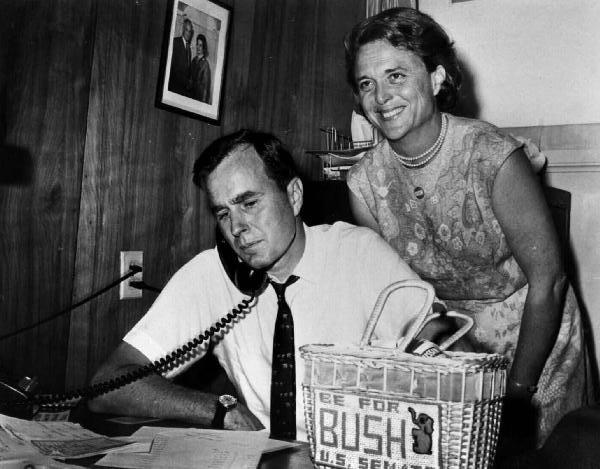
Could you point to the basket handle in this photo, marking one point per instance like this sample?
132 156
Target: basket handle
381 300
466 327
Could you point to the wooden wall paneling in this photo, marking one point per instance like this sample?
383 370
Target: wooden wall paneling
102 194
239 104
283 66
298 70
46 46
296 86
136 192
335 103
264 55
303 102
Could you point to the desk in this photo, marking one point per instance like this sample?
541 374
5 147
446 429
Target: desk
572 444
292 458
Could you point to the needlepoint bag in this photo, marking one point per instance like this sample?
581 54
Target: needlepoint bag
382 407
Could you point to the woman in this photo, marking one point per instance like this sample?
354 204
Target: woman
459 201
201 78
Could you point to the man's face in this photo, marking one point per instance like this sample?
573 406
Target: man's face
188 31
257 218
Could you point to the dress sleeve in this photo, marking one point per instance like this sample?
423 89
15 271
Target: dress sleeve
499 148
490 149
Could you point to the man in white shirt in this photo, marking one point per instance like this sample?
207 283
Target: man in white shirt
338 271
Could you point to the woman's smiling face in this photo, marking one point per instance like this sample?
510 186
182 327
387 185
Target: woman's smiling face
396 92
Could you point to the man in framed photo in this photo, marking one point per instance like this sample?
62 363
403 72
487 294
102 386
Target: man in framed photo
180 79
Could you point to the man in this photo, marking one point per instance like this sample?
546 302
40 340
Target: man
181 60
339 271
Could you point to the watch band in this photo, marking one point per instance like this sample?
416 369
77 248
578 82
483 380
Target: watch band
225 403
530 388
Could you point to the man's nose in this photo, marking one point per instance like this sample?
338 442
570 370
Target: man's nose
238 223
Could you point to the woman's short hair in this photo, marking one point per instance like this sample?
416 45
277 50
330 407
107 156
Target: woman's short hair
409 29
279 164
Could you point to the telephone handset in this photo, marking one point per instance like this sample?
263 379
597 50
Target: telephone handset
249 281
12 389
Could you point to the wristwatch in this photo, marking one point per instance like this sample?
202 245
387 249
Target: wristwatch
225 403
530 389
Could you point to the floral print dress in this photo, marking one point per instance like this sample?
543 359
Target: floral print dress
440 219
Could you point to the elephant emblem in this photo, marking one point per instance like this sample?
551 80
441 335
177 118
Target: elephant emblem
422 441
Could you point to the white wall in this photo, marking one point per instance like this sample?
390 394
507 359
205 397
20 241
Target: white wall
534 62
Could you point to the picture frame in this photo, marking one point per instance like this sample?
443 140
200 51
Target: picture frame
194 57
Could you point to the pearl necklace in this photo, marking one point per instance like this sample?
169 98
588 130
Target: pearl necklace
432 151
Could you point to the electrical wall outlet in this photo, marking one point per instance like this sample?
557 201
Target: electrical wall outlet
129 258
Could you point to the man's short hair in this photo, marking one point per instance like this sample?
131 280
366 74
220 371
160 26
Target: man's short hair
278 162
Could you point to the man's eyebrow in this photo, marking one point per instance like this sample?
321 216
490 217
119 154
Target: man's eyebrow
237 199
395 69
244 196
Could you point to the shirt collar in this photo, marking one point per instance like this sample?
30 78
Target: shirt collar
310 265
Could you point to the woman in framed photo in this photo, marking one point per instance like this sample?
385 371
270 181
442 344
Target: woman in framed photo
201 77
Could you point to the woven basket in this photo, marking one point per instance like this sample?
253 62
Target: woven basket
375 407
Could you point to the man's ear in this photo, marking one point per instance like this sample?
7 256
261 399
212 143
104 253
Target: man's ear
438 76
295 193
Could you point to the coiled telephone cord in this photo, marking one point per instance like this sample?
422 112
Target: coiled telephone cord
159 366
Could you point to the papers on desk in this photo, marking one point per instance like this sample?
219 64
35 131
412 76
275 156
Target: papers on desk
193 447
20 454
59 440
36 443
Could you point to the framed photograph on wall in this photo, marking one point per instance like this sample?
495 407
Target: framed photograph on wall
192 72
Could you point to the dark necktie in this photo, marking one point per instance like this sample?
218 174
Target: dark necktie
283 378
188 51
